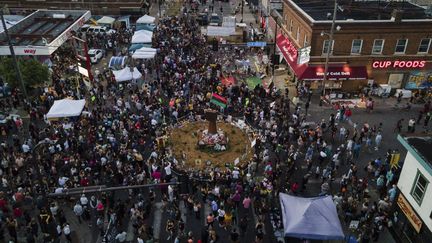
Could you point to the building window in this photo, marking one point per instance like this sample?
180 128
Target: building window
419 188
378 46
424 46
291 26
305 41
298 34
401 46
327 48
356 46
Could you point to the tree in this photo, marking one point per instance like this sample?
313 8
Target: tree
33 72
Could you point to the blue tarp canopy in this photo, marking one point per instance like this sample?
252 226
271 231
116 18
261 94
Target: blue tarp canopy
310 218
117 62
149 27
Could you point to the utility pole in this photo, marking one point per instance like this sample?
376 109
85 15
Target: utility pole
330 46
12 51
159 6
274 49
242 7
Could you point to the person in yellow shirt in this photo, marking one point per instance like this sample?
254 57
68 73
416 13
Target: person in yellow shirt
228 219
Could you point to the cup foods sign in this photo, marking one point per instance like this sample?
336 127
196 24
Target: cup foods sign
398 64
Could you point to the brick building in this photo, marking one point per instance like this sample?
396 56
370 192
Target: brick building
387 42
97 7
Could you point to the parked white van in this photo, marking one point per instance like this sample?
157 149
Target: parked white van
100 29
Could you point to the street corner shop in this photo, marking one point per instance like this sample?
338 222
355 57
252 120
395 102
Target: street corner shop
411 74
41 33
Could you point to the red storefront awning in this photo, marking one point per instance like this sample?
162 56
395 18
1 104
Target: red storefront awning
289 52
334 73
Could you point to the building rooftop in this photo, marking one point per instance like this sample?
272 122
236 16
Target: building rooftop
423 147
320 10
41 27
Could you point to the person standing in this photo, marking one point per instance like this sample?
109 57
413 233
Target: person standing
411 125
378 139
12 225
67 232
427 119
78 210
398 127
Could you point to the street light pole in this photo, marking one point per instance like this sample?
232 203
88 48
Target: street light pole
12 51
274 49
330 46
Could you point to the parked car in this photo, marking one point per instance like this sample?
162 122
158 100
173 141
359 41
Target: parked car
100 29
5 118
85 28
95 55
215 20
203 19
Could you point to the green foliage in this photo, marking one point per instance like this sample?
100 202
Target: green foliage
33 72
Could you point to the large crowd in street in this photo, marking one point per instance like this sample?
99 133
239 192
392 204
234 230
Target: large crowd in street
114 144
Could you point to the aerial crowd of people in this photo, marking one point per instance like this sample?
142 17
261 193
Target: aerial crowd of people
114 144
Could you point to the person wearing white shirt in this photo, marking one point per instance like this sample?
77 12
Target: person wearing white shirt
25 148
62 181
84 200
121 237
78 210
67 232
168 171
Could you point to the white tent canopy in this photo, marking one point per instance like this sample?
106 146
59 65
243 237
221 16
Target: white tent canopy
310 218
106 20
126 75
146 19
146 50
142 36
66 108
144 53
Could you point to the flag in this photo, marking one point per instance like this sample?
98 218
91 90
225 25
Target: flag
218 100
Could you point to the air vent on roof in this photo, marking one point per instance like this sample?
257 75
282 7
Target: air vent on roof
59 16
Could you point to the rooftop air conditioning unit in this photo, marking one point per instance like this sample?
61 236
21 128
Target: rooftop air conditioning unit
59 16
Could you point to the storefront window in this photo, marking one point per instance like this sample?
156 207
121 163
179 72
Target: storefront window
424 46
419 188
401 46
378 46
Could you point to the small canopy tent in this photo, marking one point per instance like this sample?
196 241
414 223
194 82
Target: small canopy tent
149 27
106 21
310 218
142 36
66 108
117 62
137 46
144 53
146 19
126 74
